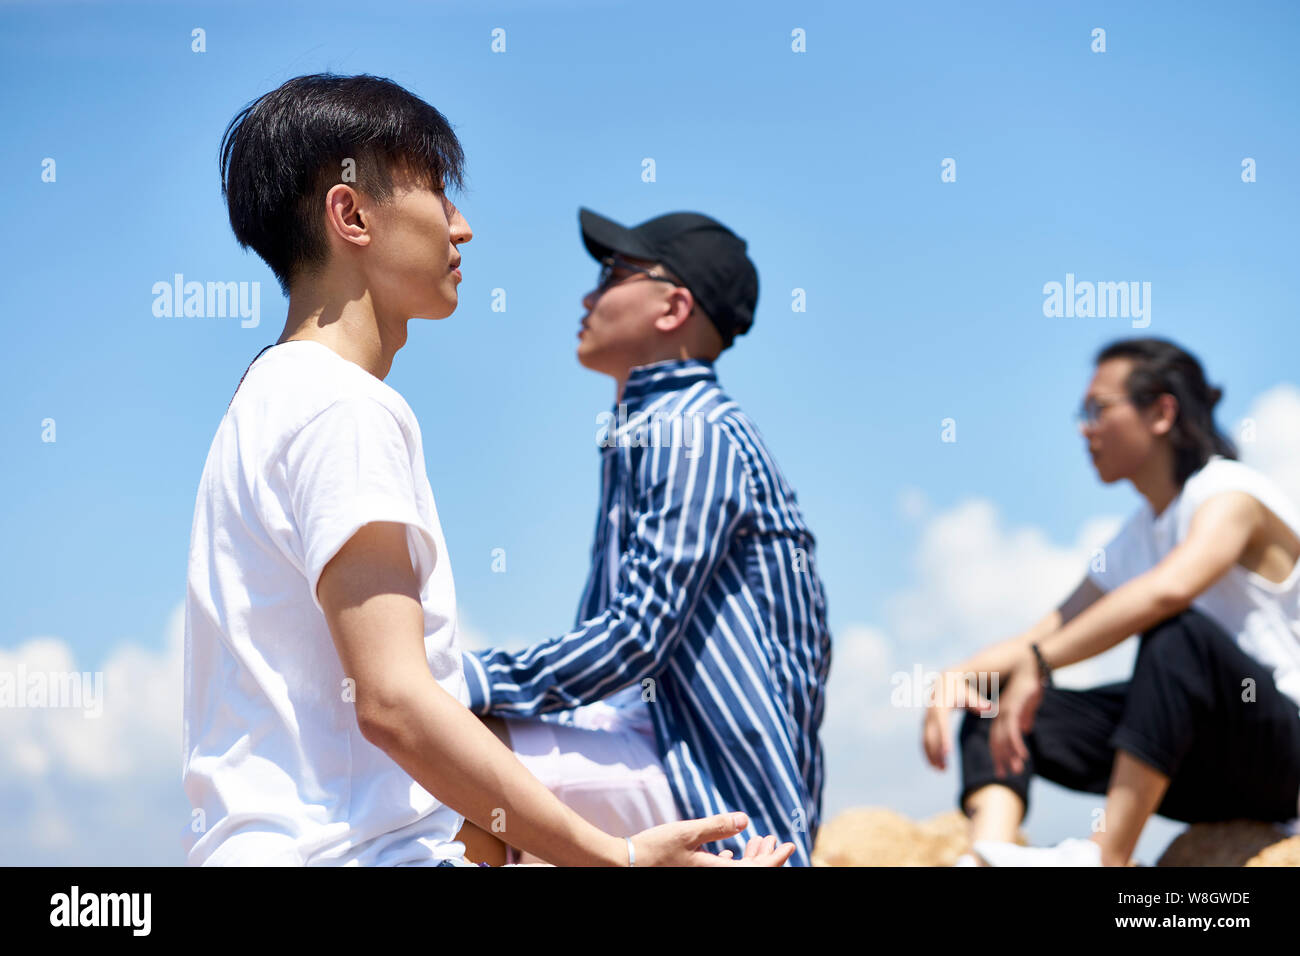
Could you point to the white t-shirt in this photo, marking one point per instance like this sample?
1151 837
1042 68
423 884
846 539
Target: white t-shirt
312 448
1262 615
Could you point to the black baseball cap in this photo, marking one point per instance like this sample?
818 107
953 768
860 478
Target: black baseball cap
707 256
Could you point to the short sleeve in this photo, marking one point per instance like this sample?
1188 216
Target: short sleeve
1222 475
349 466
1128 554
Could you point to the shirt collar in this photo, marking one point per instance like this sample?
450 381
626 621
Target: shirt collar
646 382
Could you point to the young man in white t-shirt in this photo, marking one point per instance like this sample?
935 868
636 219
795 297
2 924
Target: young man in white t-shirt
1208 572
325 719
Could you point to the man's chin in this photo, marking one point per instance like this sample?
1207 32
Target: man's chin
1105 477
438 310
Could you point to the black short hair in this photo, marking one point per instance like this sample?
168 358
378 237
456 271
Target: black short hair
283 152
1160 367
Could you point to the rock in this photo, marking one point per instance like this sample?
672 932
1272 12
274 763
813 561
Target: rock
1236 843
874 836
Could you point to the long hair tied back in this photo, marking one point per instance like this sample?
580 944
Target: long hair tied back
1160 367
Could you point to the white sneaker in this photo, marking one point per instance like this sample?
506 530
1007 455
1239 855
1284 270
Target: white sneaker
966 859
1069 852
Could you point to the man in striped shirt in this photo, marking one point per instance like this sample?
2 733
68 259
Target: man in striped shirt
693 680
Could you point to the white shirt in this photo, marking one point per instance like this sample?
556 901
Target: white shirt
1263 616
312 448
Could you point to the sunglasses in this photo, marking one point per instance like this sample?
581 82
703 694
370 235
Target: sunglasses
1089 412
609 265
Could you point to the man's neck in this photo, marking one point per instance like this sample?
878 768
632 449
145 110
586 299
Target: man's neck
346 324
1156 483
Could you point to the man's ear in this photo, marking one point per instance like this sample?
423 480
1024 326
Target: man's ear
1166 413
680 305
343 214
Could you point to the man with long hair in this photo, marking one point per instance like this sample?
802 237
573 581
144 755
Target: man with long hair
1207 572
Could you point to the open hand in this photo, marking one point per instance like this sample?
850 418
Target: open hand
936 727
1018 704
678 844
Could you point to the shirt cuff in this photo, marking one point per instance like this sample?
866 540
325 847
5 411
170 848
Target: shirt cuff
480 692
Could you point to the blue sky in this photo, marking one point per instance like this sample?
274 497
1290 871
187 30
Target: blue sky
924 298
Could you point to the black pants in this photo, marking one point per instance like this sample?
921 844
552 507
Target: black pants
1182 712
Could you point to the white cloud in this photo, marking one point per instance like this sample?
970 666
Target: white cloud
138 726
80 789
1268 437
977 581
858 707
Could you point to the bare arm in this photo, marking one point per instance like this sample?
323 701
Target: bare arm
370 596
1217 537
1004 655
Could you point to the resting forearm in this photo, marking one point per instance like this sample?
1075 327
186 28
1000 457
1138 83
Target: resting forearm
449 752
1001 657
1129 609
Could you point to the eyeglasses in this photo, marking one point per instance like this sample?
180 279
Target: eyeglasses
1089 412
608 265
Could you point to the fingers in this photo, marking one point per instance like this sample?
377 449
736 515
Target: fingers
720 826
776 856
1018 753
760 851
936 740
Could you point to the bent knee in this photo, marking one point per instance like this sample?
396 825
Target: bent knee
1190 627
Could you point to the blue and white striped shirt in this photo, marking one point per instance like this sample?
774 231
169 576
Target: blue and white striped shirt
716 601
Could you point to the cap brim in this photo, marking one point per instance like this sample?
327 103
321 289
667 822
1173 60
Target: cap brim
603 237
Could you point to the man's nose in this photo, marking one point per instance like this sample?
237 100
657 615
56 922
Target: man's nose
460 230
